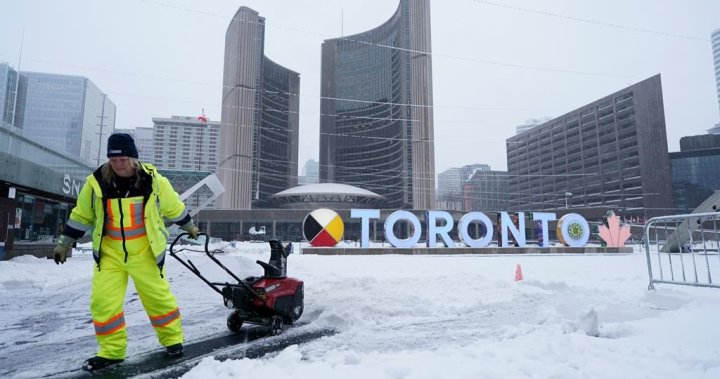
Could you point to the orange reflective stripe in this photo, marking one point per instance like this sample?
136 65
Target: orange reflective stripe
111 326
133 225
109 209
132 214
164 320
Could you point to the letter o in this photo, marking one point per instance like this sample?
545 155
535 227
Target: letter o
390 235
573 230
465 222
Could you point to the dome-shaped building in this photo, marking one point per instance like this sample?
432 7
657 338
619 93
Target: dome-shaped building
327 195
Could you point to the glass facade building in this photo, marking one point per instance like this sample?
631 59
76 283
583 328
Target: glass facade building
38 187
611 153
66 113
695 171
53 133
8 90
695 177
486 191
260 118
310 172
376 118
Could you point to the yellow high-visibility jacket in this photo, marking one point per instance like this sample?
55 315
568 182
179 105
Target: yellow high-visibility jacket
162 204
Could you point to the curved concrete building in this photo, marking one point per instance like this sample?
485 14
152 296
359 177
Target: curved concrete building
259 146
376 116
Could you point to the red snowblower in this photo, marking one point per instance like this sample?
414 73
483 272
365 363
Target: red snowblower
272 300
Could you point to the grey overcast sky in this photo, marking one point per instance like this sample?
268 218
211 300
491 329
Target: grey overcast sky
495 63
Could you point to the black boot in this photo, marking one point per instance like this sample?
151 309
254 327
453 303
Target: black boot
174 350
98 363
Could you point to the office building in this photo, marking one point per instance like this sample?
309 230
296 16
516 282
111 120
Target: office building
486 191
531 123
310 172
185 143
450 182
65 113
376 115
695 171
610 153
185 151
260 119
451 186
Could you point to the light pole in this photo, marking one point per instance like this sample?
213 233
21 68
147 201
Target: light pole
203 120
102 118
567 195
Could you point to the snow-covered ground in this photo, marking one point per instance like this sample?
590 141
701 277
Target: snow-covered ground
461 316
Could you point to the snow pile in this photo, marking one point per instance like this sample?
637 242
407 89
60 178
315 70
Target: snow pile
398 316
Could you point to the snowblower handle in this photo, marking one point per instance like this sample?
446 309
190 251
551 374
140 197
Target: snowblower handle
190 266
183 234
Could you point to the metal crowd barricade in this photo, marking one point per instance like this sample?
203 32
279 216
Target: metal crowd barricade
683 249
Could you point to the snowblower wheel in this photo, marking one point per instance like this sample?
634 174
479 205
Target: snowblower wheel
234 322
297 306
275 326
295 314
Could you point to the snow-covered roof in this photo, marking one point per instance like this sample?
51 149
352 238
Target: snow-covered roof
326 189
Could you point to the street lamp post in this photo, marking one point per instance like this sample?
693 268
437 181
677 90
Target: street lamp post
203 120
567 195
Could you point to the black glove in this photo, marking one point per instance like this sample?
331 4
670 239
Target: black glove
60 251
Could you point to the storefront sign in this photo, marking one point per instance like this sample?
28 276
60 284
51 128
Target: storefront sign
71 186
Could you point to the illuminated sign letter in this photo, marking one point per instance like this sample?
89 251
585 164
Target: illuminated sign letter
573 230
434 229
365 215
466 221
416 229
544 217
517 232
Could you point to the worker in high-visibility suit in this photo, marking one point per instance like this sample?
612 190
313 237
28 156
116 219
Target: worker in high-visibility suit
125 204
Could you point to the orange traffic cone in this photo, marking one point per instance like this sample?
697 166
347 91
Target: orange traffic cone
518 273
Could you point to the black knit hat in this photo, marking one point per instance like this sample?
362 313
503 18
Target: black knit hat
121 145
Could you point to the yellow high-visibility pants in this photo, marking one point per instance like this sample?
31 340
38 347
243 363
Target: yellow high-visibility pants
108 294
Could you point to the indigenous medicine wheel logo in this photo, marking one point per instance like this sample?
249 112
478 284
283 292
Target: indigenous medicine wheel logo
323 228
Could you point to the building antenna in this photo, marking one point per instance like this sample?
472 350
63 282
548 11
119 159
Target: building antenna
102 118
342 22
17 80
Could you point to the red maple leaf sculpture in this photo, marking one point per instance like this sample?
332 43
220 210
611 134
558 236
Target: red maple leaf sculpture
614 235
